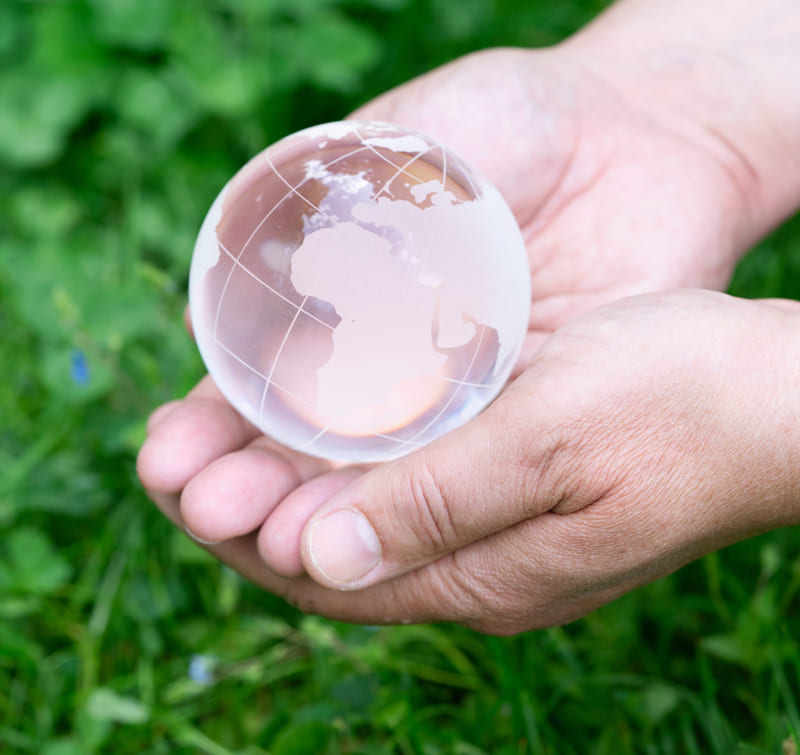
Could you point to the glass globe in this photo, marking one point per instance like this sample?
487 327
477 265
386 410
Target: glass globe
357 290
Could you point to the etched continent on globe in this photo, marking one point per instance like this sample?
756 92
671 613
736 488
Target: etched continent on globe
356 291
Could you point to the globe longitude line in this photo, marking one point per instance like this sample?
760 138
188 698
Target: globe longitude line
400 170
258 228
269 288
260 374
465 383
300 399
475 192
313 440
237 262
278 353
400 441
460 384
295 190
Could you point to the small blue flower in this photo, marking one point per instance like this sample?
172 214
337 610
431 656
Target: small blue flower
79 369
201 669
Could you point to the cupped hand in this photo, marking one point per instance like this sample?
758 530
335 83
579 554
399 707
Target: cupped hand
612 199
642 436
614 195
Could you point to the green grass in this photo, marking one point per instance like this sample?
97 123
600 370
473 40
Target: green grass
119 123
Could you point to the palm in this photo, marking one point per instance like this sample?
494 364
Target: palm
611 202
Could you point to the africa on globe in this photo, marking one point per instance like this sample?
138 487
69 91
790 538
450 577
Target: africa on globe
357 290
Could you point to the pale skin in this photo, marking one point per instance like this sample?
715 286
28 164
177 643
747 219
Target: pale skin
650 422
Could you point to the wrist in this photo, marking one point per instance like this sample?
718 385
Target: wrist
717 74
770 422
783 361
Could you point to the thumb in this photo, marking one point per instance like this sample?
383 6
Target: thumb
470 483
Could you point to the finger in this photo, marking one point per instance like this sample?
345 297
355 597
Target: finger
416 597
159 413
789 305
206 388
235 493
470 483
563 567
279 538
188 437
542 572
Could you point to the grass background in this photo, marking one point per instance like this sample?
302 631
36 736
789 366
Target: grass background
119 121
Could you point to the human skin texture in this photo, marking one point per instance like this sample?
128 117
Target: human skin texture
651 421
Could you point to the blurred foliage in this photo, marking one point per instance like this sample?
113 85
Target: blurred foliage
119 122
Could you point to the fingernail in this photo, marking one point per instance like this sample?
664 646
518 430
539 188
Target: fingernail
343 546
200 539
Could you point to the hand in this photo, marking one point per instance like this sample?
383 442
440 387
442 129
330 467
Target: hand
615 197
644 435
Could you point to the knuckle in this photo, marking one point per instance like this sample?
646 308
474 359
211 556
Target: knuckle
431 519
541 471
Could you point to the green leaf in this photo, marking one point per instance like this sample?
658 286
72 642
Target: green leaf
73 374
657 701
302 740
16 607
37 112
336 51
104 704
52 87
355 692
17 646
138 24
462 20
152 101
182 689
219 71
63 44
35 565
146 600
6 579
733 649
63 746
91 732
11 27
44 211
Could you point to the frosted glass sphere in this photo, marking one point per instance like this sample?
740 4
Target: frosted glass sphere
357 290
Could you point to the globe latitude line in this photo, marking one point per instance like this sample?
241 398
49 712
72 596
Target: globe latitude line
277 357
260 225
400 171
380 151
295 190
398 168
459 386
300 399
269 288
